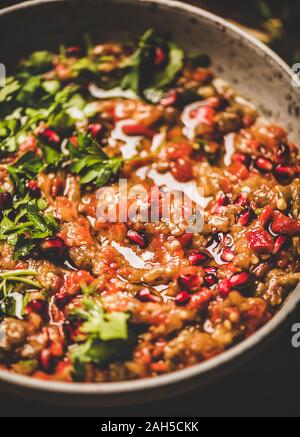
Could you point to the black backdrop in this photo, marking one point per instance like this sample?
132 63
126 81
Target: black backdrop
267 386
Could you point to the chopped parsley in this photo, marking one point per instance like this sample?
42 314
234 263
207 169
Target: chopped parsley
90 162
108 338
143 76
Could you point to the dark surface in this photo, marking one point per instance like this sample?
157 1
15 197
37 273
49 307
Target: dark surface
266 386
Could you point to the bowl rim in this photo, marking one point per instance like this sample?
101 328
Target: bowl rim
170 379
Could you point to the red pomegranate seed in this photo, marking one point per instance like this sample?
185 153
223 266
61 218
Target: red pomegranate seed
241 157
242 200
37 306
185 240
33 188
284 174
182 298
145 295
138 129
210 270
239 170
170 98
225 287
6 200
136 238
223 200
210 280
74 52
285 225
280 242
198 258
179 150
189 282
283 154
240 280
264 165
182 170
95 130
266 215
53 247
50 136
160 56
227 255
246 217
260 241
46 359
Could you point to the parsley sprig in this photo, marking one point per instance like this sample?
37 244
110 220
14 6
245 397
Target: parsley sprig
25 225
143 76
12 286
90 162
107 337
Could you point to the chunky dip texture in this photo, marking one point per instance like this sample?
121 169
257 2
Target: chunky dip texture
92 301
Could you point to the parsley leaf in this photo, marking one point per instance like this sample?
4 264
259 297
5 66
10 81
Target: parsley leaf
26 168
91 162
26 225
12 287
143 76
108 338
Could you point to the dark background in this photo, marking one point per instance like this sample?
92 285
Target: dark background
270 384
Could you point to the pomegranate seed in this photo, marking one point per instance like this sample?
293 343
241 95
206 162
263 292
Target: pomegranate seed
46 359
283 154
198 258
50 136
227 255
170 98
240 280
225 287
239 170
37 306
182 170
182 298
210 280
160 56
242 200
136 238
241 157
138 129
95 129
6 200
53 247
179 150
284 174
264 165
33 188
266 215
260 241
185 240
223 200
280 242
145 295
189 282
210 270
285 225
246 217
74 52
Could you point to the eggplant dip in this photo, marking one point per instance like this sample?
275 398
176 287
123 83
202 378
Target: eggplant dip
86 300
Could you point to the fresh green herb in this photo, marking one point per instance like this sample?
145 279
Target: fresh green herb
12 286
89 160
38 62
26 225
107 334
26 168
143 76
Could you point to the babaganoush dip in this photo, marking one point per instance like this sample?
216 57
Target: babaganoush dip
93 300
